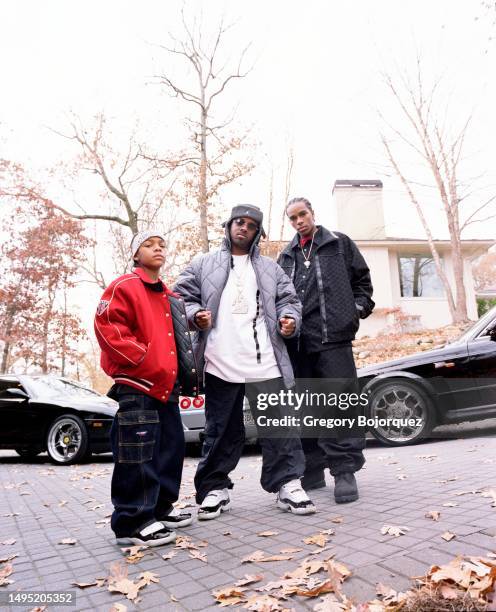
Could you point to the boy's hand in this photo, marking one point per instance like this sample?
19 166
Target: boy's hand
288 326
203 318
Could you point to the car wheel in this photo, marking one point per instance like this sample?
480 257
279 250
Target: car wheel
28 453
394 402
67 440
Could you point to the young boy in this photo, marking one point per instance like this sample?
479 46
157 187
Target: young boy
133 326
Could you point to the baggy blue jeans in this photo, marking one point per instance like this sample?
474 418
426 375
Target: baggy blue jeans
147 440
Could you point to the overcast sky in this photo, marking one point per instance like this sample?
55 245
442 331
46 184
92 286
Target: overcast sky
315 83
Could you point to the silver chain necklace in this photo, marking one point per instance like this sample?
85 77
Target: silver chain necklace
307 261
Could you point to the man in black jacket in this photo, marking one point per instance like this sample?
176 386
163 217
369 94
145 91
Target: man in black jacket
333 283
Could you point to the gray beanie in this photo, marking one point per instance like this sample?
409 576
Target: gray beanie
140 237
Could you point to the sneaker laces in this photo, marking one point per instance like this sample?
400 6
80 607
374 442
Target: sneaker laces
214 497
295 491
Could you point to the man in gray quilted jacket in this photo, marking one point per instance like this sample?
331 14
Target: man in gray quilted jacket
244 306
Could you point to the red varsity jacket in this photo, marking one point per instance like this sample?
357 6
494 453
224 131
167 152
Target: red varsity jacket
133 326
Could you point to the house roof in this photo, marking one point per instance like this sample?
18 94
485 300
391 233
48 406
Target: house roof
357 183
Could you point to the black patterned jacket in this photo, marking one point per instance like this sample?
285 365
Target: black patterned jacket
343 281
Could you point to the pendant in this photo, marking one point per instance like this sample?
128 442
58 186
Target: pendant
239 305
307 263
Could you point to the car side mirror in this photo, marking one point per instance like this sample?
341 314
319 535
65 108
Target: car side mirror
492 333
17 392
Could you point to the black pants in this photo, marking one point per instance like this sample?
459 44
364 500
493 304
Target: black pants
338 454
147 439
282 458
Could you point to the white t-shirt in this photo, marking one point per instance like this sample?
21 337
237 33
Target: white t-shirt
231 350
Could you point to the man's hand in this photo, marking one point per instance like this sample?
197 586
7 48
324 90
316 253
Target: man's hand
288 325
203 318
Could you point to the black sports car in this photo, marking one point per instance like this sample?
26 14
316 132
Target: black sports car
452 384
49 413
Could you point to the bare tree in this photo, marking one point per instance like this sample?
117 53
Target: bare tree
136 185
287 187
212 159
424 130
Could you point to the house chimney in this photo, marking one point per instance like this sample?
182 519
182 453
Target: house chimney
358 209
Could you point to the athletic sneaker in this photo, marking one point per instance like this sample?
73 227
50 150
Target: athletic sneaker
175 518
154 534
217 501
292 498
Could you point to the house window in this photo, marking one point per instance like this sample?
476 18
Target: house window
418 277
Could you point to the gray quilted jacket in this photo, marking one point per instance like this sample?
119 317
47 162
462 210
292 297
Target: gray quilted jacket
201 285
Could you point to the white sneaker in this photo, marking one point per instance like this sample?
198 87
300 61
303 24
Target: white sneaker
151 535
292 498
217 501
175 518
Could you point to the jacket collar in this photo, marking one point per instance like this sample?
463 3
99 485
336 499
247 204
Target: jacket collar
322 236
157 285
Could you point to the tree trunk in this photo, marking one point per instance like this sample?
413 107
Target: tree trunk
202 186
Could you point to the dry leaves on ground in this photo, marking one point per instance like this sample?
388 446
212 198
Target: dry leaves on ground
196 554
433 514
259 557
320 539
8 542
394 530
491 493
134 553
267 534
68 541
448 536
249 579
229 596
5 572
118 581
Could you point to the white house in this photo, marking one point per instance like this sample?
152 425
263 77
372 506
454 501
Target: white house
407 288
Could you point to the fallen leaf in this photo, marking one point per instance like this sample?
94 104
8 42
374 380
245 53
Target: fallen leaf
330 603
196 554
8 542
450 504
147 578
402 477
5 572
117 607
259 557
96 507
227 533
63 503
289 551
9 558
320 539
267 534
249 579
84 585
448 536
229 596
337 519
394 530
433 514
426 457
169 555
135 553
173 598
68 541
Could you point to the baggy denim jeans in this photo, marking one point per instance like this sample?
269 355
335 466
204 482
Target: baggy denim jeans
147 440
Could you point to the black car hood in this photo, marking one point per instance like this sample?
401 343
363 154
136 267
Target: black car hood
424 357
103 405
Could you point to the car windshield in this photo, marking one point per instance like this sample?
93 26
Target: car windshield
48 386
481 324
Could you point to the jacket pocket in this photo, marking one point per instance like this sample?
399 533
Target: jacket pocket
138 431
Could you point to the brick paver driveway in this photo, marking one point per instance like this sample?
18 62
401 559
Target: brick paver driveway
41 505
